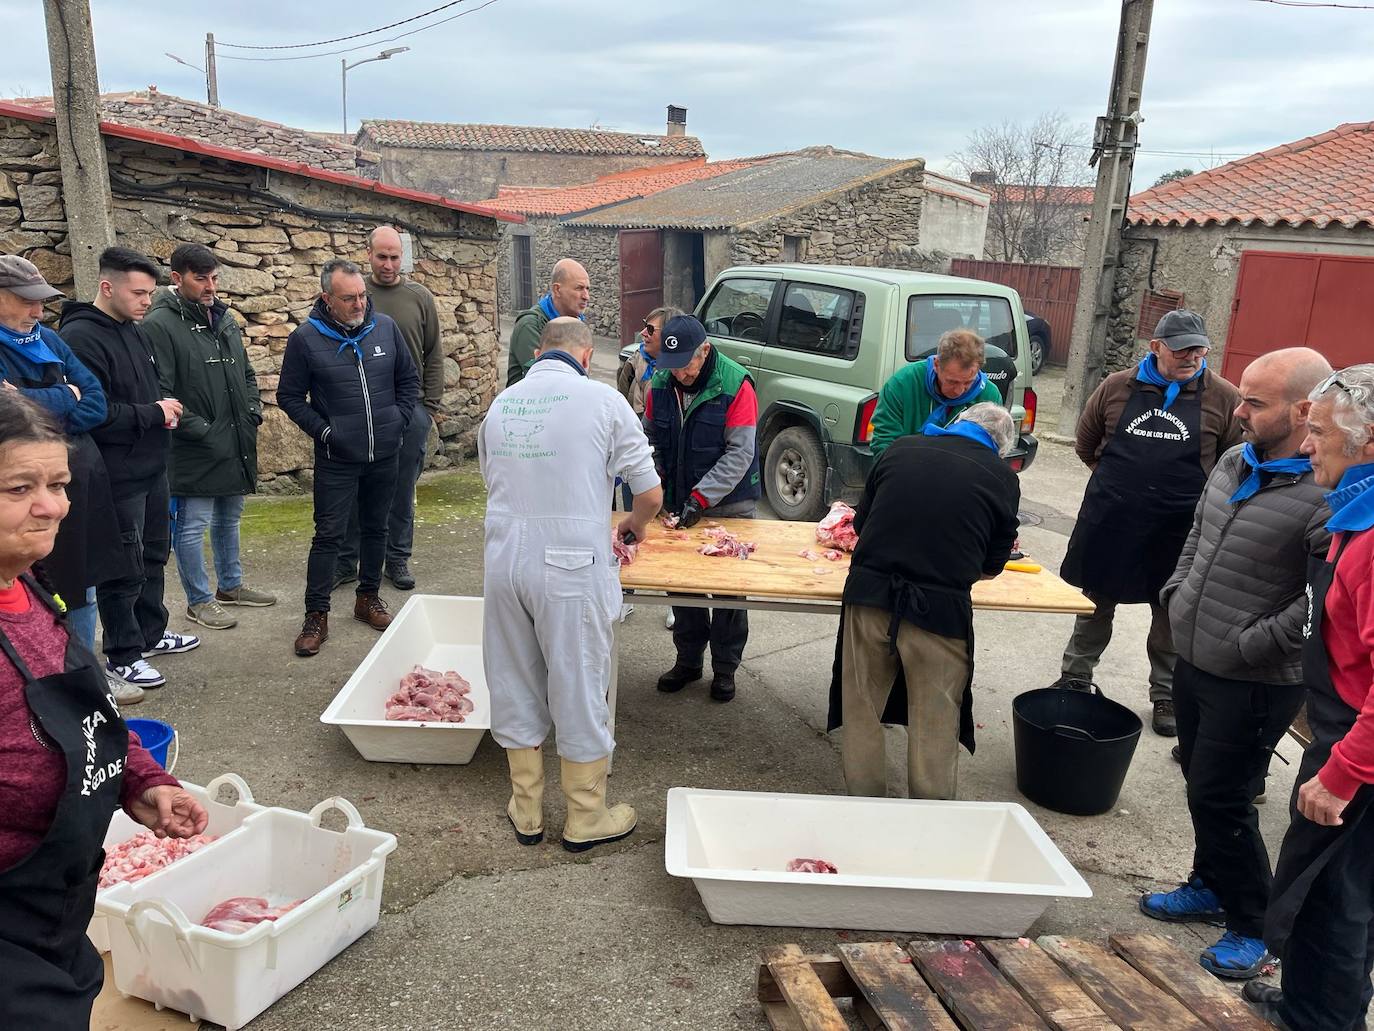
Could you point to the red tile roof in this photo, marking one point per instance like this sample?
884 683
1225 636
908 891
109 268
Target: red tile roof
455 136
29 113
1320 181
609 189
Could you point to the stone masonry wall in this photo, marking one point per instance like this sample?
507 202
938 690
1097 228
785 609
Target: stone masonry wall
271 256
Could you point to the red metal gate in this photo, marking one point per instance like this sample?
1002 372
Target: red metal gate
1050 291
1286 300
641 278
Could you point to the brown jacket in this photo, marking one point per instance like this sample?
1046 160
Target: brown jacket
1220 427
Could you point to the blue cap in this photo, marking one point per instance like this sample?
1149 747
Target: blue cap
679 341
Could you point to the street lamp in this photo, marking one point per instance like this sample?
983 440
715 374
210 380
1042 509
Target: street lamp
384 55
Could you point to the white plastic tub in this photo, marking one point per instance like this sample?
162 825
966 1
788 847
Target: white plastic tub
434 631
968 868
162 954
223 818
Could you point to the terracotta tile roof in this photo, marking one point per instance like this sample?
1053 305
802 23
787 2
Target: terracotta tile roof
1321 180
455 136
609 189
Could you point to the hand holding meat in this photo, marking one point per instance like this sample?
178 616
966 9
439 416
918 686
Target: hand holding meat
691 513
638 527
169 812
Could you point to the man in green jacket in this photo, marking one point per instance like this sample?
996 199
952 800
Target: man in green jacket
569 294
214 458
933 391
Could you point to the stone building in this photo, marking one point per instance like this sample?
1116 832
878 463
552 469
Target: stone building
474 161
818 205
272 223
1273 250
954 216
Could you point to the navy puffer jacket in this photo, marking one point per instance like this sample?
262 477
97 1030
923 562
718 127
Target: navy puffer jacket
362 385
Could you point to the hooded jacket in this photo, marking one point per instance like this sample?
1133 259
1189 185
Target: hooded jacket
362 385
201 362
132 439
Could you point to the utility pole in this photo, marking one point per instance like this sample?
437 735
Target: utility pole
1114 145
211 79
76 102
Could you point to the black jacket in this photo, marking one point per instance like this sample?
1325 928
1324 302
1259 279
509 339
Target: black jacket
132 439
362 385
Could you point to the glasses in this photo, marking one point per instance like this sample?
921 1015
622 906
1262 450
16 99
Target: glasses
649 329
1357 392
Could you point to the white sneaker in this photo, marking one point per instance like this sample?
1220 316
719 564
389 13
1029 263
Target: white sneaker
173 644
626 611
668 620
124 692
138 673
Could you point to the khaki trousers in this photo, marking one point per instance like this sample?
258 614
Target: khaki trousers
936 671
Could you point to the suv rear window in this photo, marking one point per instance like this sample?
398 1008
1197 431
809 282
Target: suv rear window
739 309
820 320
930 316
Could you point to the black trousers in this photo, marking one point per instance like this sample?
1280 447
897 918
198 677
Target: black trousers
131 608
1227 730
338 486
725 630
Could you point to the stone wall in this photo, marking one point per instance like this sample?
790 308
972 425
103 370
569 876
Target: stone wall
272 234
547 243
954 225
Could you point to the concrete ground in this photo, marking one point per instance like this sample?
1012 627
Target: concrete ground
478 932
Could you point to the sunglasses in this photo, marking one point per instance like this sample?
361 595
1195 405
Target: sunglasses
649 329
1357 392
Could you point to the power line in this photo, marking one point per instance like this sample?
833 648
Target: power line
365 46
341 39
1314 3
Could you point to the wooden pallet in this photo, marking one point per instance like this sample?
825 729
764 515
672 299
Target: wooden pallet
1144 982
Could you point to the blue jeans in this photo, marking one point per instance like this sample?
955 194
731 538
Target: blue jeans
82 621
222 517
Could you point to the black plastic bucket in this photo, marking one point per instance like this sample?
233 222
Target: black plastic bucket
1073 749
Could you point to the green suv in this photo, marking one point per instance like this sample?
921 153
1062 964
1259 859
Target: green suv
820 341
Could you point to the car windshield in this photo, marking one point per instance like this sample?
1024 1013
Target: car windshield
930 317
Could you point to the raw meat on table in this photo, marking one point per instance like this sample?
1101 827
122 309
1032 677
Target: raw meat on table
809 555
836 530
145 853
810 866
624 553
428 696
236 915
724 544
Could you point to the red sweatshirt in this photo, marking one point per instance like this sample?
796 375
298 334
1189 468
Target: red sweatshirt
32 778
1348 633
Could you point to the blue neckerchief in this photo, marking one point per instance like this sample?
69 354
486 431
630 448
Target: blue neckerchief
1352 502
347 341
561 356
30 345
962 428
1148 372
1251 484
546 306
940 412
650 365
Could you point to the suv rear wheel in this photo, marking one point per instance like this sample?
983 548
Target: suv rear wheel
794 475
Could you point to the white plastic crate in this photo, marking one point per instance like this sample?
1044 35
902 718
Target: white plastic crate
223 818
431 630
967 868
161 953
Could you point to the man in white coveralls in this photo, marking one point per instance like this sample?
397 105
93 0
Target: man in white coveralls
550 450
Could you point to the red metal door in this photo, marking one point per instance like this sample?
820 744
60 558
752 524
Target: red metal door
1050 291
641 278
1286 300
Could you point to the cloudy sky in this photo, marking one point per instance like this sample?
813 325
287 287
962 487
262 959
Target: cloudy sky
899 78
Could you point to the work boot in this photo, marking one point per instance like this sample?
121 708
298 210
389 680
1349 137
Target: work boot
370 609
526 807
1163 722
679 677
314 632
400 576
589 822
1190 902
1266 998
1235 957
723 686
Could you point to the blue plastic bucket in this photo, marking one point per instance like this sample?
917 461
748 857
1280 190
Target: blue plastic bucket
157 737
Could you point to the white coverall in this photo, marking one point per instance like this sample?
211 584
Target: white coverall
550 449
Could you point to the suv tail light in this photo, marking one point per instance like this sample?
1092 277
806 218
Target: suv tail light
1030 402
863 432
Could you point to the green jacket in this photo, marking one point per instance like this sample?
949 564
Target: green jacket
904 405
215 446
524 341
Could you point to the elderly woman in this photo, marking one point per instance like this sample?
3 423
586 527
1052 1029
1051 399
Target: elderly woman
1321 911
67 760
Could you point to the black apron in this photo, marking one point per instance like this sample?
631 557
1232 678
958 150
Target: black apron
1308 847
1139 505
50 973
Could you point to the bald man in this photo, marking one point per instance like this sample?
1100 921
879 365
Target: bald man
1237 606
569 294
412 308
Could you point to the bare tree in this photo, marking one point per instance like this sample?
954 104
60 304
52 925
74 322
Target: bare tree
1038 176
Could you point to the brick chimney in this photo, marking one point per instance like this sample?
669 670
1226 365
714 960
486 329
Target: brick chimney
677 121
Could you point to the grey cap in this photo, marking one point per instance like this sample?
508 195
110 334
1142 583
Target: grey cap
1182 329
21 276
